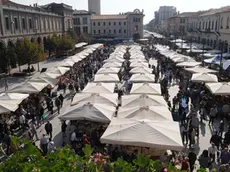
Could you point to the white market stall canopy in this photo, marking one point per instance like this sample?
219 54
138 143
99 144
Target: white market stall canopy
153 62
146 88
58 70
13 96
163 135
142 77
49 75
115 59
140 70
81 44
106 78
108 99
142 100
7 106
106 88
219 88
141 60
113 64
138 64
188 64
154 113
112 70
200 70
204 77
91 112
67 63
29 87
49 81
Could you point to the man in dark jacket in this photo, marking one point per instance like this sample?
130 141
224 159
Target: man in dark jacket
49 129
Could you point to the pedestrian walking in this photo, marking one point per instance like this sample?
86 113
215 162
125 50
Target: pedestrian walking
58 104
34 131
6 84
44 144
61 98
49 129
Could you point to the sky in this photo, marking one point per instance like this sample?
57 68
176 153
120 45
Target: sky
149 6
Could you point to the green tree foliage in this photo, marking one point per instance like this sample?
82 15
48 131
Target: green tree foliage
65 43
28 158
73 35
11 54
3 59
28 52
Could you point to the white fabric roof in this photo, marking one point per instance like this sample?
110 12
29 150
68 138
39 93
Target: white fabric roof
7 106
67 63
106 78
90 112
163 135
108 99
219 88
188 64
142 100
153 62
49 75
154 113
140 70
47 80
204 77
115 59
108 70
146 88
200 70
29 87
13 96
138 64
105 88
59 70
113 64
143 78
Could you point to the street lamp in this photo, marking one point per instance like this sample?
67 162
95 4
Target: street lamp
221 55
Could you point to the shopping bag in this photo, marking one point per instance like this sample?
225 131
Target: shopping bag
44 116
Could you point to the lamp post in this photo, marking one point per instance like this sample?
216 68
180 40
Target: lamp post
221 56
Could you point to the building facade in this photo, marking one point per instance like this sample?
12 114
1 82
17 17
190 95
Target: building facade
121 26
34 22
82 22
211 28
165 12
94 6
178 24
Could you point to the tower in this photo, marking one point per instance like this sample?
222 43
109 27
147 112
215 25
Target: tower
94 6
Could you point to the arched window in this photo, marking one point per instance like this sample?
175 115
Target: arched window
221 23
209 25
227 23
212 25
216 25
203 25
211 43
200 25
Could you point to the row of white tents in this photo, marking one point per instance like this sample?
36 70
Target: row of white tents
143 119
200 74
10 101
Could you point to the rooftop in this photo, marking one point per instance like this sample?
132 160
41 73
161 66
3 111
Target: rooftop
214 11
109 17
78 12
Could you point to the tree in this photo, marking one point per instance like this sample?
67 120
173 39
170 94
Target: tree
28 52
52 43
73 35
3 59
66 43
136 36
11 55
28 158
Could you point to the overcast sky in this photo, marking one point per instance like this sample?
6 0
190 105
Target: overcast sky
149 6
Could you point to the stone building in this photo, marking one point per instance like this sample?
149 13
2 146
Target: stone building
212 28
119 26
82 22
34 22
